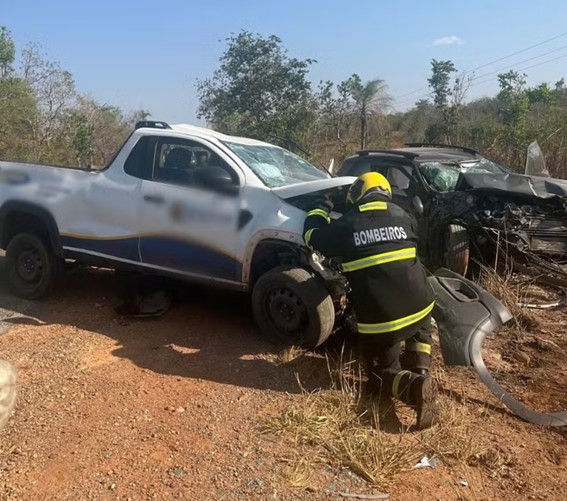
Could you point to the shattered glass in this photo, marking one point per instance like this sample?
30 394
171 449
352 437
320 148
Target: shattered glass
445 176
440 176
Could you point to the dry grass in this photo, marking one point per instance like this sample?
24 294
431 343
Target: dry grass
457 440
340 427
299 472
511 294
285 356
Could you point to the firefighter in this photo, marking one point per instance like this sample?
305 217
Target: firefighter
376 243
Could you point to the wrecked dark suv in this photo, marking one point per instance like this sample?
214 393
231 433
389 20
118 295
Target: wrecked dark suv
469 206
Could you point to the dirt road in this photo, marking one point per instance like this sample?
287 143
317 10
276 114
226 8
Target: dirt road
174 408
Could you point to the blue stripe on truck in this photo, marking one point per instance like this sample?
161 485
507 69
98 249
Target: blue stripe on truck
188 256
163 251
125 248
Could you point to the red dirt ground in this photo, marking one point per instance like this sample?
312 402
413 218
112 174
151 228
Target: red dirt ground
172 408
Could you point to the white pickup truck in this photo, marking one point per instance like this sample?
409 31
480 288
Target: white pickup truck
183 201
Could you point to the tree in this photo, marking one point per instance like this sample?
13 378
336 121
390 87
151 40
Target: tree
514 105
96 131
55 93
448 97
17 105
440 82
7 52
368 99
419 123
43 118
333 109
257 91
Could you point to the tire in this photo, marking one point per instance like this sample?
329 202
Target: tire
291 307
457 251
32 269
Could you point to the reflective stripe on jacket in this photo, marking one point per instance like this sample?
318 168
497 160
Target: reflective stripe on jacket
377 244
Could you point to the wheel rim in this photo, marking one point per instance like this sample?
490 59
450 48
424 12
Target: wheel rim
286 313
29 266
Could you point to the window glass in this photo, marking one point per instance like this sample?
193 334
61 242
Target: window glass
139 161
179 161
398 178
361 168
441 177
276 166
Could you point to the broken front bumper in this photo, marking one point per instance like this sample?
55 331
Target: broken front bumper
466 314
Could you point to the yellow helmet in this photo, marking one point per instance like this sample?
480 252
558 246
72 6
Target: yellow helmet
370 181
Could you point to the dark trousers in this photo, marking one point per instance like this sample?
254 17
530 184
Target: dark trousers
380 355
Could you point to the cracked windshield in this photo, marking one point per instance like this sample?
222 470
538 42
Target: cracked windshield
444 176
276 166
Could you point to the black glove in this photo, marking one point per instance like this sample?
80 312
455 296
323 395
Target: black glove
322 203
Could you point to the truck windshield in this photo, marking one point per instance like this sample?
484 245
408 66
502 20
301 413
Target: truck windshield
276 166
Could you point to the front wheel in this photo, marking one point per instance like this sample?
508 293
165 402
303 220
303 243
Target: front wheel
292 307
31 267
457 251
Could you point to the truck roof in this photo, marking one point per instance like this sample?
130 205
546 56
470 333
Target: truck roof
205 132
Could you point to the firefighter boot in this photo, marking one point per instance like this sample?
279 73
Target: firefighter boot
375 388
423 394
418 392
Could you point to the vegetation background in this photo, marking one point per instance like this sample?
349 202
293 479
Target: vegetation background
260 91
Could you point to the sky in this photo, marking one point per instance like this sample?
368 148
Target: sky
149 54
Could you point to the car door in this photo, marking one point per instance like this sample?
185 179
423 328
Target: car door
404 184
187 226
403 187
407 191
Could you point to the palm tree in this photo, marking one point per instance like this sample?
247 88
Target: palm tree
369 99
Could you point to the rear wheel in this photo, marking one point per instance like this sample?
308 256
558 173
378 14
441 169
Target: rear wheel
457 250
31 267
292 307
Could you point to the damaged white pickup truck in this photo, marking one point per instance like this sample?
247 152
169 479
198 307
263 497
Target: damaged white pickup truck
182 201
195 204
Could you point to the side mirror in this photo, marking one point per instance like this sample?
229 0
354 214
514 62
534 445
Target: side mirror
215 178
417 206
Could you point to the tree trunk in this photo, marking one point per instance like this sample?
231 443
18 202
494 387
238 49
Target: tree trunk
362 131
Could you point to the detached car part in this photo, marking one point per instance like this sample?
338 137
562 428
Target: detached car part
466 314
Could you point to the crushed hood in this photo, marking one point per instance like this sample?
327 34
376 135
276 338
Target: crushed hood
514 184
298 189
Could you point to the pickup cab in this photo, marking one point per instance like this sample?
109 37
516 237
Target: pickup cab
186 202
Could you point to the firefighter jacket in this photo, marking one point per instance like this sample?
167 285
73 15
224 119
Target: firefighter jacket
377 244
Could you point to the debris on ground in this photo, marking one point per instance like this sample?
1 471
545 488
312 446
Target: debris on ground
154 304
364 496
8 379
428 462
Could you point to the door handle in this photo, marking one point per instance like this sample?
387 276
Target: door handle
244 218
154 199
